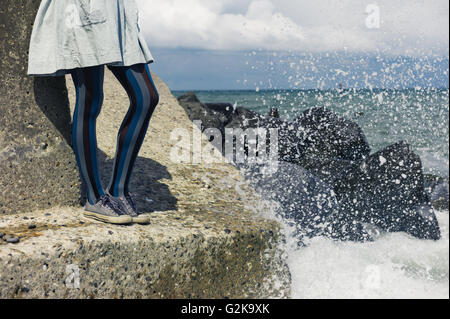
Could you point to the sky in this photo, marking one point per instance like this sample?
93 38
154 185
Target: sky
247 44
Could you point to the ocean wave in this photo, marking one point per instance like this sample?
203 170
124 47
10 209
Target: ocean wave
394 266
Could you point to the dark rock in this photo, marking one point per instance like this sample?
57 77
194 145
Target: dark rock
12 240
32 226
196 111
224 108
333 136
318 140
329 143
291 138
304 200
33 112
387 190
337 187
325 168
244 119
222 116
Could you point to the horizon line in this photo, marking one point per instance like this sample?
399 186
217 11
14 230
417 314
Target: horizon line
316 89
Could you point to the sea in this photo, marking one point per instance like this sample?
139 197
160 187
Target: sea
396 265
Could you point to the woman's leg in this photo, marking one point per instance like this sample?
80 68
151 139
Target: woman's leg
138 83
89 98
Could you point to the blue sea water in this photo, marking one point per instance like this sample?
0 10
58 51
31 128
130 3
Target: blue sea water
395 265
418 116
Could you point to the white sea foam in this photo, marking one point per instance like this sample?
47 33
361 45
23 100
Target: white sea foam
394 266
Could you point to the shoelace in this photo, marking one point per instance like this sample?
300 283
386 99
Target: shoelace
107 201
131 198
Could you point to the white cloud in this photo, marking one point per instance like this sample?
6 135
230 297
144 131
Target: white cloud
407 26
206 24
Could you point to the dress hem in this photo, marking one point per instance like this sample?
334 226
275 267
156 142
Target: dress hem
63 70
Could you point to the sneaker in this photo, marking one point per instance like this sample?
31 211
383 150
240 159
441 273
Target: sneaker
128 204
107 210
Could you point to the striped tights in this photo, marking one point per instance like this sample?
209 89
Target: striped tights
137 82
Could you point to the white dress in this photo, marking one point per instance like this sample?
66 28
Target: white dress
70 34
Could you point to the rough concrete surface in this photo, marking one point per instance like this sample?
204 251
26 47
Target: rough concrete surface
37 164
207 237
